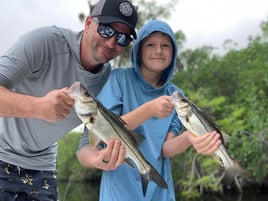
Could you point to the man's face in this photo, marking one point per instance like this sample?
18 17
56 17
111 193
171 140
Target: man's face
98 49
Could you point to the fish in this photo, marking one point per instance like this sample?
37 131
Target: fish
104 125
199 123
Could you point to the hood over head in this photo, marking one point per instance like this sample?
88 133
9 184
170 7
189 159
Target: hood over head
149 28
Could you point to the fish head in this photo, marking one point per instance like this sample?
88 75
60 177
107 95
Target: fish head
181 104
84 105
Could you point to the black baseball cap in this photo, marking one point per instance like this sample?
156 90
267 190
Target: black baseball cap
116 11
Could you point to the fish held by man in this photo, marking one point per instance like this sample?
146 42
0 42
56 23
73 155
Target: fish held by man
199 123
104 125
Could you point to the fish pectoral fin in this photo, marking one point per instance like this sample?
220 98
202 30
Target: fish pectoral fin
138 137
129 162
94 140
193 134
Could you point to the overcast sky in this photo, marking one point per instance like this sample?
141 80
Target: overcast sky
211 22
204 22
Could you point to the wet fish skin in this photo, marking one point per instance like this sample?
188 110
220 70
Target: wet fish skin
104 125
199 123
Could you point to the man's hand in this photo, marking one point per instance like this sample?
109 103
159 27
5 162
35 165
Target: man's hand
112 156
55 105
108 158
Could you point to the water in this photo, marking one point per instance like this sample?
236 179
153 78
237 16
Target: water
235 198
90 192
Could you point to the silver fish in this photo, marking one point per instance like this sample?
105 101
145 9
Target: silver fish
199 123
104 125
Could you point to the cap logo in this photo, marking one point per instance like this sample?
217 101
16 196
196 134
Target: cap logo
125 9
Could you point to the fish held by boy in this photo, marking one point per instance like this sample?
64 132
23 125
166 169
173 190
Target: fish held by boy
104 125
199 123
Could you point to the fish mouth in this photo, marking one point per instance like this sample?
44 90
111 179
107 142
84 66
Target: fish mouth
182 109
86 114
181 105
74 90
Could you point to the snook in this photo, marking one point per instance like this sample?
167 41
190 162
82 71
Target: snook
104 125
199 123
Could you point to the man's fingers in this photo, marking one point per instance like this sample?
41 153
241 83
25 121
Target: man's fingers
115 152
121 155
113 156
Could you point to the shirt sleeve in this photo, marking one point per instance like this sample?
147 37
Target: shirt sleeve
84 138
176 126
27 56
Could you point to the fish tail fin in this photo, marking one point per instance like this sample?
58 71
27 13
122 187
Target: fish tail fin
224 157
154 176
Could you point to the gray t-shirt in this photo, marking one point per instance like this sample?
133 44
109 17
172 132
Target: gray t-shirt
42 60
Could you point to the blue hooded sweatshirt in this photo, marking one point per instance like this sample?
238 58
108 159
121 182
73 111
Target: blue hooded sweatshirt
124 91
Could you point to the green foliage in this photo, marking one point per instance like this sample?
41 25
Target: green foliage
78 191
150 9
264 28
195 174
233 90
70 172
67 162
181 38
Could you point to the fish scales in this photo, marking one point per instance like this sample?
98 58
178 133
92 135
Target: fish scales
199 123
104 125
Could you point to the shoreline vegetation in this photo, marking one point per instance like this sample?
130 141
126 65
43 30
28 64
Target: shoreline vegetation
77 183
233 90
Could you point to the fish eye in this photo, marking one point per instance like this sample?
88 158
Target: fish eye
87 94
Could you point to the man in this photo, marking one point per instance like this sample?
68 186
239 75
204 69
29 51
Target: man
35 109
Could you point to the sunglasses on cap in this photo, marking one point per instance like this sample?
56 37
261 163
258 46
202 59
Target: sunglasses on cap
106 31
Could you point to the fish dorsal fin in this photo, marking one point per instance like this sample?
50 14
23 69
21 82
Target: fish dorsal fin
226 137
114 118
110 116
200 112
137 137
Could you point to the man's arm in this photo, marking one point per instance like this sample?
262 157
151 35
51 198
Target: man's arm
51 107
